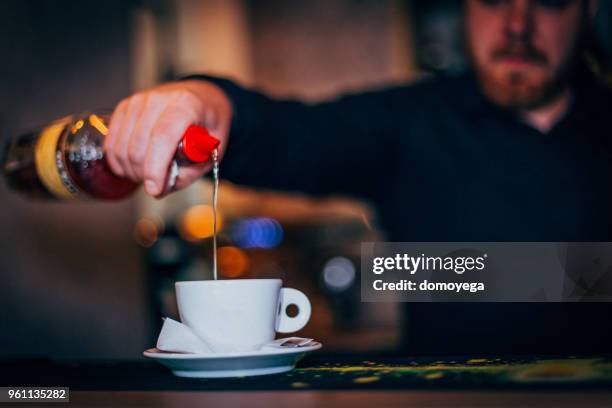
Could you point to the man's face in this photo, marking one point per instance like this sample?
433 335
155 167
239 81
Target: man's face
522 50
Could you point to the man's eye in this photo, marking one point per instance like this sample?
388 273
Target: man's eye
554 4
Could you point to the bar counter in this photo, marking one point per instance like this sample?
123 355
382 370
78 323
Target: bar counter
331 380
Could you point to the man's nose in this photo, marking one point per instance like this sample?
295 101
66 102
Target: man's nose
519 19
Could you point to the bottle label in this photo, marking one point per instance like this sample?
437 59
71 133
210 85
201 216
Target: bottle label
49 162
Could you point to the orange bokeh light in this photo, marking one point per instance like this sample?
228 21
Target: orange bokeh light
196 223
146 232
233 262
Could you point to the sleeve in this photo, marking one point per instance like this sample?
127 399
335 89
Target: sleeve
337 147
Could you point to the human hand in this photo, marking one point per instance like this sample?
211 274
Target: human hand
146 128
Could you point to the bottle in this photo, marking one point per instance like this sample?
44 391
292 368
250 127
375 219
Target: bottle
65 160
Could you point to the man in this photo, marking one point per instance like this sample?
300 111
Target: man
518 150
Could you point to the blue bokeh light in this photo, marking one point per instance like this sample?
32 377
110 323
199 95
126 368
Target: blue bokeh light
261 232
338 274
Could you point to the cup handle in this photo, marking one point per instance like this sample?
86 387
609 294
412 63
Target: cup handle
286 323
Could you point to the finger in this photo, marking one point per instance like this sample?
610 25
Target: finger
187 174
120 147
165 136
109 141
138 144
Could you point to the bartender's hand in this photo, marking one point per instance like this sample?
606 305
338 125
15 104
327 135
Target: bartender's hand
146 128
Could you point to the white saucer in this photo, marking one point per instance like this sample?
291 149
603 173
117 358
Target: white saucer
267 360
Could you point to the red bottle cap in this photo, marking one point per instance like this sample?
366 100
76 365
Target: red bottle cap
198 144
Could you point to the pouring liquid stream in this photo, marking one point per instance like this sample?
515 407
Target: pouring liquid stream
214 199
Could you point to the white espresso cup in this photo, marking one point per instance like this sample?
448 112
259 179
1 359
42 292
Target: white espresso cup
241 314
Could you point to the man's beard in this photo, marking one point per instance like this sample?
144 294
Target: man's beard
525 88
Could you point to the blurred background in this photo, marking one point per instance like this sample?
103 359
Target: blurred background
92 280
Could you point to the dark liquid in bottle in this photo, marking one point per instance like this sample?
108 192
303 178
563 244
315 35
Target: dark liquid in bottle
86 166
79 159
66 160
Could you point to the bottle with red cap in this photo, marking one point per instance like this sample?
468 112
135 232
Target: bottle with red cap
65 160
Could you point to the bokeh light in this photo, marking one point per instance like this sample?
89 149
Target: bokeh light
167 251
232 262
196 223
261 232
147 230
338 273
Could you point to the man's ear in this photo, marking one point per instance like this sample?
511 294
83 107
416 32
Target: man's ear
593 8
